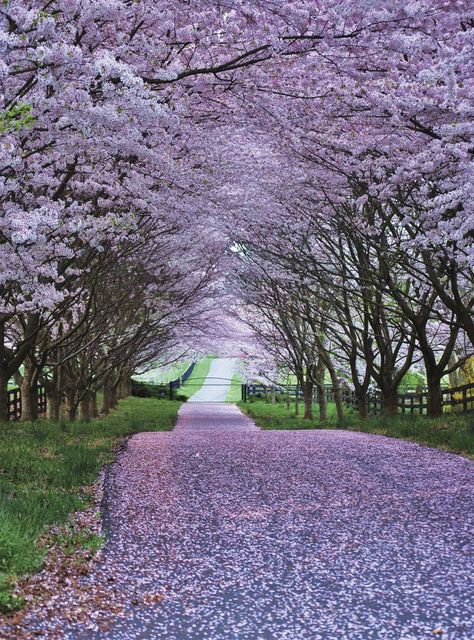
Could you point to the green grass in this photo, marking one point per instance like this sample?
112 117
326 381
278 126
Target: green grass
196 379
235 392
44 469
451 432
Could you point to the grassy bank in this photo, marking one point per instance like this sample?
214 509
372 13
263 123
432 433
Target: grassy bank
196 379
452 432
44 469
235 392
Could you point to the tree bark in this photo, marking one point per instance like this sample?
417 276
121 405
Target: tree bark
84 408
124 388
72 411
93 408
337 390
29 393
390 400
322 403
362 403
53 403
435 397
4 394
113 397
106 399
308 400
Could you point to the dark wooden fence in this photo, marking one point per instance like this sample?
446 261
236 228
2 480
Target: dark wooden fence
456 400
164 390
14 402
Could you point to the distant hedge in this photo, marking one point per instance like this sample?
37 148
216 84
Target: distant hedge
146 390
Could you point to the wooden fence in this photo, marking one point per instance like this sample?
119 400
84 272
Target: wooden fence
14 402
456 400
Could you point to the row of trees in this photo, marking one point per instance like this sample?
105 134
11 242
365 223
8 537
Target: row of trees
325 149
334 302
104 266
355 250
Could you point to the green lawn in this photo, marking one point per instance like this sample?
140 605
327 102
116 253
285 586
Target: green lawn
235 392
44 467
452 432
196 379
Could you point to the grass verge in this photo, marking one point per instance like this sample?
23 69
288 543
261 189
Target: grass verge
196 379
235 392
451 432
46 470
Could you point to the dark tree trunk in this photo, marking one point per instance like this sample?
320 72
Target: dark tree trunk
53 403
297 401
390 401
4 394
106 399
435 397
113 397
322 403
29 393
93 408
362 403
337 390
124 387
84 408
308 400
72 411
4 375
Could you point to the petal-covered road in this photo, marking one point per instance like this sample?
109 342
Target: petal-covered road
285 535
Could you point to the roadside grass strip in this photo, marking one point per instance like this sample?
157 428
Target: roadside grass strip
235 392
197 378
450 432
47 470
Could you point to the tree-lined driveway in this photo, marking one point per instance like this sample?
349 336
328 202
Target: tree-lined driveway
287 535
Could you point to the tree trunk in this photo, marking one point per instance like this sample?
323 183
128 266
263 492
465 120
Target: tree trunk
72 411
308 400
337 390
297 401
29 402
113 397
4 375
93 408
106 399
390 401
362 403
4 394
322 403
84 408
29 394
435 397
273 396
124 388
53 403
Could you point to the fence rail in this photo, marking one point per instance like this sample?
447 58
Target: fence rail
457 399
14 402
